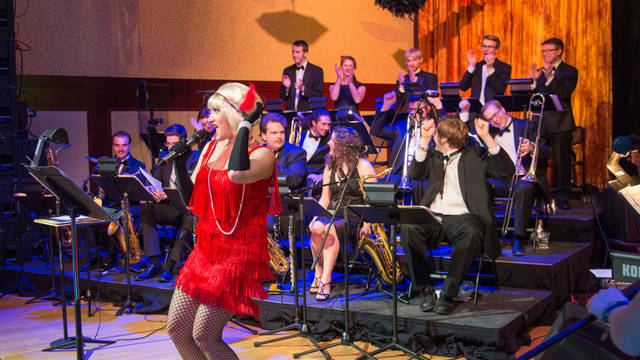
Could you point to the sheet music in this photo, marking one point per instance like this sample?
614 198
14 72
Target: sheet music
632 195
66 218
556 102
157 184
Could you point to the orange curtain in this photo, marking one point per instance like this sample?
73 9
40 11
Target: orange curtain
448 28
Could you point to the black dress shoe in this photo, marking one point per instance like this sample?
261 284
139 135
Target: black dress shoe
517 250
428 299
152 271
166 276
444 306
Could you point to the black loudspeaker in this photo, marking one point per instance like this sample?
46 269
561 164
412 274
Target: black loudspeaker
592 341
153 96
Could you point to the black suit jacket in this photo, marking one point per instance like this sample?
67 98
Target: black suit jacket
475 166
394 133
496 82
183 180
313 81
315 165
564 82
424 81
291 161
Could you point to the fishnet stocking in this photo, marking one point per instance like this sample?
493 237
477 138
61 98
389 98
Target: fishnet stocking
196 329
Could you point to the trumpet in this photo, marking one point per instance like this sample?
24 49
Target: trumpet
535 102
296 130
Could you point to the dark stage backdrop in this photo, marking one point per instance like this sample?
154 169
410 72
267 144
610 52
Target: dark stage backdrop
447 28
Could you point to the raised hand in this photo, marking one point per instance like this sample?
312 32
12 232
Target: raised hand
412 76
548 70
400 77
389 100
535 72
427 129
490 59
338 73
471 58
464 105
286 82
482 128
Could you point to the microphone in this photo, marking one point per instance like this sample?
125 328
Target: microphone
362 148
427 93
194 139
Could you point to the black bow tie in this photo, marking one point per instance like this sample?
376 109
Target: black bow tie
314 137
448 157
300 68
494 131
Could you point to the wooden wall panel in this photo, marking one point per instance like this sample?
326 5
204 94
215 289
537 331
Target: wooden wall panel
448 28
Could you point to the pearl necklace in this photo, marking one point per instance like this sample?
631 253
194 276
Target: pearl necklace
214 210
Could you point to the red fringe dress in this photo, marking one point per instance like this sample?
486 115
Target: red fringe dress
226 271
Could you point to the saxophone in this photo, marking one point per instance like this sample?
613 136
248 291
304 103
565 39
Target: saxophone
135 253
377 245
277 260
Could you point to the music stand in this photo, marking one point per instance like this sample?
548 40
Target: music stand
123 188
77 203
356 123
291 206
395 216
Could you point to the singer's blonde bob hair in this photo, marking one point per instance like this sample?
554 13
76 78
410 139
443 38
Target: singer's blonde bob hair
228 99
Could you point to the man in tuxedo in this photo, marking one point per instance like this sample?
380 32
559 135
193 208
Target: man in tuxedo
512 136
302 80
315 142
457 195
127 164
173 175
291 160
486 78
559 78
415 80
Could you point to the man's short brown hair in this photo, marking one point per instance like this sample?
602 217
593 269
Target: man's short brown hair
454 130
493 38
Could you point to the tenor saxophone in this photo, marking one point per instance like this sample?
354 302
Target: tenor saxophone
115 228
377 245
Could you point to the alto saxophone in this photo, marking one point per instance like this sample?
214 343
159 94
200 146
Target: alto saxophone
377 245
277 260
135 253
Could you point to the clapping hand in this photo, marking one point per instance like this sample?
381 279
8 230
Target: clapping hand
471 58
338 72
286 82
490 59
535 72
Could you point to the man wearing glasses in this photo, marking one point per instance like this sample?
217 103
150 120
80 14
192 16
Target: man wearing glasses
560 78
486 78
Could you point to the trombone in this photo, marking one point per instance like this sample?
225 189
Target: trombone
535 102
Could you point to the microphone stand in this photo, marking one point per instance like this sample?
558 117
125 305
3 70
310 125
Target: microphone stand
346 339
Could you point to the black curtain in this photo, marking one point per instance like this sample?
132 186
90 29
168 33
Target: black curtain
626 67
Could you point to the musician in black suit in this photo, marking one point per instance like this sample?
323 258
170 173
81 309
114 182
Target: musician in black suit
457 194
173 175
560 78
291 160
416 78
315 142
302 80
486 78
512 136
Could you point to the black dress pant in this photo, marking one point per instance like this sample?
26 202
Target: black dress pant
561 148
463 232
166 214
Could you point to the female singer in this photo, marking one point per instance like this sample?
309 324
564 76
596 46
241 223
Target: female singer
230 199
347 91
343 148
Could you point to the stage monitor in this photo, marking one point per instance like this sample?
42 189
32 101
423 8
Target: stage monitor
520 86
450 89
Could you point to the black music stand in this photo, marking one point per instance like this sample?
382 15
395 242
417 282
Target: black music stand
291 206
124 188
395 216
77 203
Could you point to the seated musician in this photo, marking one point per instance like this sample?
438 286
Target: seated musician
173 175
511 134
125 164
291 160
395 132
343 148
314 142
202 123
454 172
